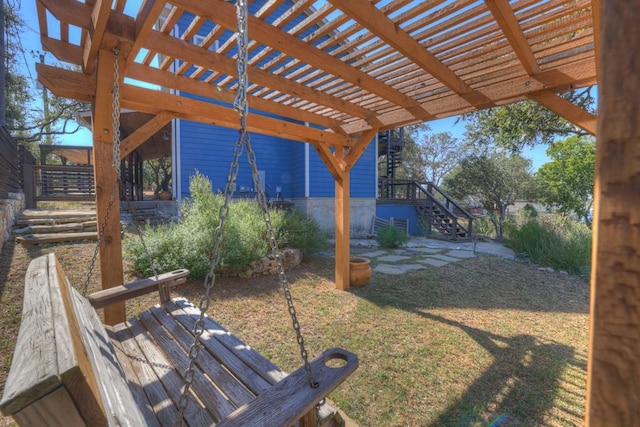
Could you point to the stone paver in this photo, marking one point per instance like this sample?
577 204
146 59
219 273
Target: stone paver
461 254
393 258
425 250
373 254
443 258
388 269
434 262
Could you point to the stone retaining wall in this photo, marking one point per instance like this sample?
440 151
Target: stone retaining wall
9 208
268 265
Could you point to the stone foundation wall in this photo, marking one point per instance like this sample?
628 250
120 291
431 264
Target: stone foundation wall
322 209
9 208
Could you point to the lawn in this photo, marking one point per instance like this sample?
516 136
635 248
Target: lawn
481 342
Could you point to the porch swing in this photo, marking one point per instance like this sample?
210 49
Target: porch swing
170 365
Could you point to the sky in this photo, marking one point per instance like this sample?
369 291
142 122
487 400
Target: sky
31 42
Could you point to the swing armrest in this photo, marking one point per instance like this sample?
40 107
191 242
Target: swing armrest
292 397
161 283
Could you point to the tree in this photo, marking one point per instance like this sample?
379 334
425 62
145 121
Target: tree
158 172
430 156
496 180
568 177
27 119
526 123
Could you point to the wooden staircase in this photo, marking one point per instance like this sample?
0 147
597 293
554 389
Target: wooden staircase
440 212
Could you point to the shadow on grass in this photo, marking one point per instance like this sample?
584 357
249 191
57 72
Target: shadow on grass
518 388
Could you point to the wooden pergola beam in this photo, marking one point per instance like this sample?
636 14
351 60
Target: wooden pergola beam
506 19
107 209
79 86
144 132
567 110
144 22
99 18
613 368
574 75
224 14
187 85
150 101
196 54
372 18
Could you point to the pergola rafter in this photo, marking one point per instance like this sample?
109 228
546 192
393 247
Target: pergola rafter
349 69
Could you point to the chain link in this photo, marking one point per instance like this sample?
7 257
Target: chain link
241 106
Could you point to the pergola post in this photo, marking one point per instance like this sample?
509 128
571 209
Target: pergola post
111 271
342 212
613 385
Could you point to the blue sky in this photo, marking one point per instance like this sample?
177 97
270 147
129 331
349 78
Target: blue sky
31 41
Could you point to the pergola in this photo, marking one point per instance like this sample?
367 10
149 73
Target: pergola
350 68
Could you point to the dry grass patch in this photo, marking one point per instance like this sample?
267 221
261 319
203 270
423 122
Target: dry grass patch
470 344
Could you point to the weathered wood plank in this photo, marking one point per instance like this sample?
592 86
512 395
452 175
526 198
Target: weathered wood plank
75 369
291 398
57 228
225 381
56 409
118 401
137 288
171 378
211 397
147 390
248 355
32 239
30 378
244 372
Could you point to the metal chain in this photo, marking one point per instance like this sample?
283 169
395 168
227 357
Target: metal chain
115 113
240 105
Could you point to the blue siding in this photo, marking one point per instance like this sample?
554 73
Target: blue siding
209 149
401 211
362 176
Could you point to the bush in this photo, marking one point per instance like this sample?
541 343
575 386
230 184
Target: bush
188 243
561 244
391 237
301 231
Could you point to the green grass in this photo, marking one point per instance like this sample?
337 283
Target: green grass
459 345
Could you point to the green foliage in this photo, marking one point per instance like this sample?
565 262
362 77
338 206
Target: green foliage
434 155
391 237
563 245
568 178
301 231
188 243
496 181
529 212
526 123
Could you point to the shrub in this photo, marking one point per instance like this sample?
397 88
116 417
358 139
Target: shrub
301 231
391 237
561 244
189 242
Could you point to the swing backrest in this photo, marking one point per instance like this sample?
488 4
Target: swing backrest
64 369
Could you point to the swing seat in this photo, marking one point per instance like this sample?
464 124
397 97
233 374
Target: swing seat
69 369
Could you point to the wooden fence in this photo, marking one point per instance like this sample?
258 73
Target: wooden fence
58 183
10 181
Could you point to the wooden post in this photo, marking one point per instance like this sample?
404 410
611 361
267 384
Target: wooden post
111 271
613 384
342 224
